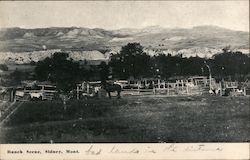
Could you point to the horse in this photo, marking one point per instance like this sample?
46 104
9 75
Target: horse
112 88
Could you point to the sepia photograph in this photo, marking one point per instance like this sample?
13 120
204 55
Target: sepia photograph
124 72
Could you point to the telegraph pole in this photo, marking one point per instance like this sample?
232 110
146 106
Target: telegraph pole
210 76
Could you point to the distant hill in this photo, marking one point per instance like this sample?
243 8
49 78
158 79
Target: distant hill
154 37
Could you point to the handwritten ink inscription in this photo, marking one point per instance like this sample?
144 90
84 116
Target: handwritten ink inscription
118 149
128 151
93 151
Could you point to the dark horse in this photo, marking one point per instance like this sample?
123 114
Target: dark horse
112 88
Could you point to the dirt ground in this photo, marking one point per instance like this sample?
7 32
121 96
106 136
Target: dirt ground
131 119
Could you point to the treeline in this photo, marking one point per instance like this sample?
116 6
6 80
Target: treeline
134 62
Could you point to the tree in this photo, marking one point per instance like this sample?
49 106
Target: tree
131 62
166 66
4 67
104 71
60 70
17 76
230 64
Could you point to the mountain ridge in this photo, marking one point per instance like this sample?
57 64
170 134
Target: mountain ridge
154 37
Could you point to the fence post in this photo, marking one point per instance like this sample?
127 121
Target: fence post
11 99
77 92
221 89
159 84
153 83
168 89
177 86
88 89
83 86
138 87
182 85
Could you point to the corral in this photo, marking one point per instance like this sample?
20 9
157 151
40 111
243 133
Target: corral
149 111
196 85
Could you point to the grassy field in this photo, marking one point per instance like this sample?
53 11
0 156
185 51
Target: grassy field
131 119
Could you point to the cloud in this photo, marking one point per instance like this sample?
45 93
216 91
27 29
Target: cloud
124 14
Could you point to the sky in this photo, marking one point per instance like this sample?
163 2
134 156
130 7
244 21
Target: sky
125 14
